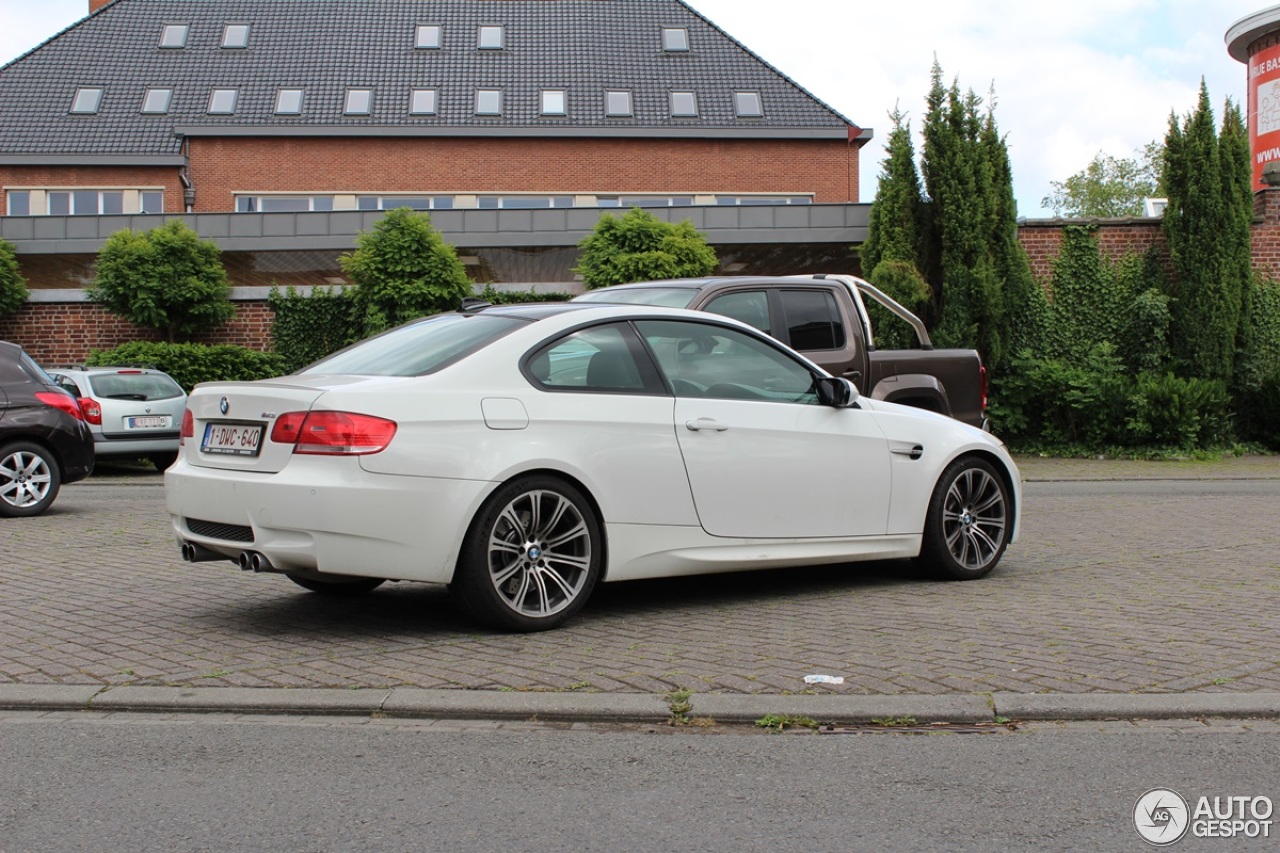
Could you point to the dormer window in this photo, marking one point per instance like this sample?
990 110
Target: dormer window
489 102
422 102
491 37
156 101
617 103
359 102
222 102
427 36
747 105
675 39
684 104
174 35
87 101
289 102
235 36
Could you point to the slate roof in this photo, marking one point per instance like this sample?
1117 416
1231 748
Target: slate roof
326 46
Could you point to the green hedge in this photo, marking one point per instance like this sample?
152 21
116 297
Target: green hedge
190 364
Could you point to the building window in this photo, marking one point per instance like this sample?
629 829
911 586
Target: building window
684 104
87 101
157 100
747 105
19 202
427 36
151 201
283 203
174 35
523 202
617 102
630 201
235 35
222 102
675 39
489 102
422 102
85 202
490 37
289 102
359 102
390 202
748 200
554 102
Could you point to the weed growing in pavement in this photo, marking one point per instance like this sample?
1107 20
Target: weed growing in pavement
778 722
680 705
892 722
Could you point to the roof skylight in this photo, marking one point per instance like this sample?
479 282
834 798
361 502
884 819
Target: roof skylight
289 102
359 102
488 102
235 35
684 104
617 102
87 100
554 102
157 100
427 36
491 37
174 35
747 105
222 102
422 102
675 39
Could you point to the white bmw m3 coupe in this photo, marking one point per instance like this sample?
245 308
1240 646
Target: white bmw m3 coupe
523 454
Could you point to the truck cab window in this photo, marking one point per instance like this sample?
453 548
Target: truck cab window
813 320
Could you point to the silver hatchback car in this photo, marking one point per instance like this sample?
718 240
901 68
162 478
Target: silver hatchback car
133 412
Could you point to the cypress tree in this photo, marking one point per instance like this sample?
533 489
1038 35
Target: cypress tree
893 232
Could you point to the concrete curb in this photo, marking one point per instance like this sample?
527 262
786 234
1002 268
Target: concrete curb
416 703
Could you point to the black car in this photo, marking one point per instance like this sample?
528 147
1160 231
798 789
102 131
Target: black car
44 441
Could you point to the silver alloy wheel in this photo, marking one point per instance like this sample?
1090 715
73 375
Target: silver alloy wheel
25 479
973 518
539 553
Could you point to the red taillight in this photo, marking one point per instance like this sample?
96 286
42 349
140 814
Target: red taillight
92 410
333 433
982 371
65 402
188 427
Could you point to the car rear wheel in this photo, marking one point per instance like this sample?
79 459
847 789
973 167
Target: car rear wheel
532 556
966 530
29 479
335 585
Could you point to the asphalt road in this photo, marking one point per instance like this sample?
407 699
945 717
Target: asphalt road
1138 585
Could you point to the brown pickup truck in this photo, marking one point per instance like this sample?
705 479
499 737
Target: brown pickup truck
824 317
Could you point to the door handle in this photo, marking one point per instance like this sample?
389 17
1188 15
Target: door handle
701 424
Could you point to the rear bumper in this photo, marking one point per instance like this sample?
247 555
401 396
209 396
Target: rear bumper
326 517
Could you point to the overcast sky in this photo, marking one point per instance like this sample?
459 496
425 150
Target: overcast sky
1071 79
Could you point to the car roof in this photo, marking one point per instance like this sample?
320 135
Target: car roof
704 282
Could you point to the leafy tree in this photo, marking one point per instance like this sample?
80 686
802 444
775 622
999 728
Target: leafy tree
1110 186
166 279
641 247
13 288
403 269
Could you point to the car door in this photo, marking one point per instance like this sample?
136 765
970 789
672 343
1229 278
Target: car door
765 459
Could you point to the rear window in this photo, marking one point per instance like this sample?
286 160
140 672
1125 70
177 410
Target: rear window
664 297
133 386
417 348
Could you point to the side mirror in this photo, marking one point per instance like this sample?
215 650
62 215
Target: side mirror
837 392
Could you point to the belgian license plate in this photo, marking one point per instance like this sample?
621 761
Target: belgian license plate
147 422
232 439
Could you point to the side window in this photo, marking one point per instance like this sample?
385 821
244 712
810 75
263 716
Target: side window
594 359
751 307
813 320
701 360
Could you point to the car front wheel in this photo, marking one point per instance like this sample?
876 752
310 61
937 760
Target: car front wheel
532 556
967 527
29 479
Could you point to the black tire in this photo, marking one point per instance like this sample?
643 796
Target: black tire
163 460
338 586
29 479
531 557
967 527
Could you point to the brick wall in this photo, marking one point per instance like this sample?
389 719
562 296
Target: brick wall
221 167
63 333
1042 240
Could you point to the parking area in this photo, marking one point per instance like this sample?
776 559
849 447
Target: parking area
1130 577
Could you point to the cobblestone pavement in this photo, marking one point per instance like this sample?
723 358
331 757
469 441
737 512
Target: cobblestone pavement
1130 577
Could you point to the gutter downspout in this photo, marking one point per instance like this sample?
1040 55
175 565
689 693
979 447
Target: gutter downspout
184 175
